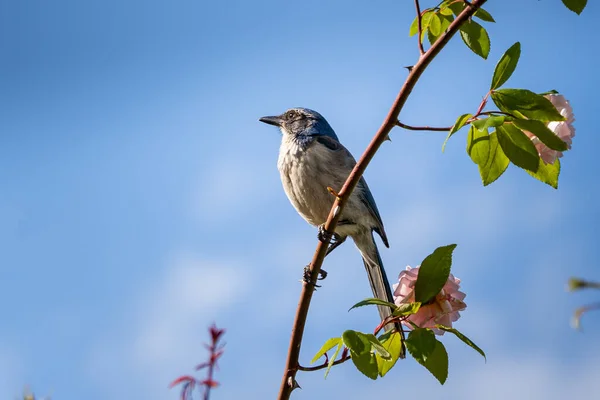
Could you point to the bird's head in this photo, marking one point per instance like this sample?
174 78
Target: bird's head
301 122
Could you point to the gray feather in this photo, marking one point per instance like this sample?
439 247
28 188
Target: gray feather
380 284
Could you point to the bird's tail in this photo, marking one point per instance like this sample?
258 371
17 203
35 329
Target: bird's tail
377 277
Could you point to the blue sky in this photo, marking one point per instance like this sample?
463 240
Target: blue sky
140 199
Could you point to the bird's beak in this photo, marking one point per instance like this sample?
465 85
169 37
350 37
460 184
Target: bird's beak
277 121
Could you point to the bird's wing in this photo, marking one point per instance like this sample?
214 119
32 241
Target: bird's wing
369 201
365 194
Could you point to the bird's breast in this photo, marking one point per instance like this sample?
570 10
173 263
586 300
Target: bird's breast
305 175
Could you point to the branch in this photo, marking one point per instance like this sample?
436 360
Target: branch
288 383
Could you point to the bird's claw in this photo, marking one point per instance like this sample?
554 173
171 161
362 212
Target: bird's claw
322 234
306 276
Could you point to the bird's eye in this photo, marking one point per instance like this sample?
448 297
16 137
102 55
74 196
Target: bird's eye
290 115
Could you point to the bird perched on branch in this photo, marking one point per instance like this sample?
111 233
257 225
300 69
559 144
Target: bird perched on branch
311 160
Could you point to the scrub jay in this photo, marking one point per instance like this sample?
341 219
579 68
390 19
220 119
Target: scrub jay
311 158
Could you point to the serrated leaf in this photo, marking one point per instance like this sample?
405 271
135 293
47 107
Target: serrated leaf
393 344
506 66
496 163
576 6
406 309
429 352
484 15
373 302
543 133
547 173
433 273
462 337
360 351
445 10
329 344
425 20
524 102
437 363
460 122
476 38
478 145
382 351
446 21
333 357
431 37
420 343
489 122
485 151
435 25
518 147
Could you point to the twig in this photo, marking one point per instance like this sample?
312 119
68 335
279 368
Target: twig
288 382
324 365
418 7
423 128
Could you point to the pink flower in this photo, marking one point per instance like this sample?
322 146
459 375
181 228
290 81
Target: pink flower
563 129
443 309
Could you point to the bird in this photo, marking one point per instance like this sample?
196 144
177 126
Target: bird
311 160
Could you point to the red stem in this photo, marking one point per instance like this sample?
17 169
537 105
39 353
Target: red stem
418 7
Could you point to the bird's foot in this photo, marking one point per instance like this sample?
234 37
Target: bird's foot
322 234
306 276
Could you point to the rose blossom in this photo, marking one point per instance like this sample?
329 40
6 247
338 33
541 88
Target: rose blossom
563 129
443 309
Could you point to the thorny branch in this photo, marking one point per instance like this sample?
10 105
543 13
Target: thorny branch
288 382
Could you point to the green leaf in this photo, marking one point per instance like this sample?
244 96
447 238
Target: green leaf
373 301
393 344
524 102
496 163
329 344
435 25
431 37
445 10
576 6
382 351
478 145
446 20
433 273
425 20
462 337
460 122
406 309
360 350
476 38
485 151
484 15
547 173
543 133
414 27
429 352
518 147
420 343
437 363
333 357
457 7
506 66
489 122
